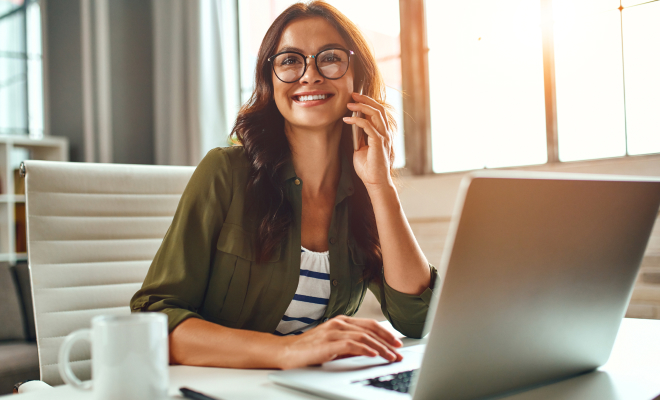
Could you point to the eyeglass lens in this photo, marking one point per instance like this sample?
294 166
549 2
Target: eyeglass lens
290 67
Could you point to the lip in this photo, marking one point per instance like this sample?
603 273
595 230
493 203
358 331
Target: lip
311 103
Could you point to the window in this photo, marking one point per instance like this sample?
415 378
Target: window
641 35
21 88
607 79
379 22
486 84
488 62
589 78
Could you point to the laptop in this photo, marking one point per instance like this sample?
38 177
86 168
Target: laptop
536 276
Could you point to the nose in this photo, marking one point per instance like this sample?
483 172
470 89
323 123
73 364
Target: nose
312 74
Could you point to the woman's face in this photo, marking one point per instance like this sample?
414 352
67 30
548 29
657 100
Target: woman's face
310 36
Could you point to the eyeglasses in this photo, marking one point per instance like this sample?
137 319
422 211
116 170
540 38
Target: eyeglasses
290 66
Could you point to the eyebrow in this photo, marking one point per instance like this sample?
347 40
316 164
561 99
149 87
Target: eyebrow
324 47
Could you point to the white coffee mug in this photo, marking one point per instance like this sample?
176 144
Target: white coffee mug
129 357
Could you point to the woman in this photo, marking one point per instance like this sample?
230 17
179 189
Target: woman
275 242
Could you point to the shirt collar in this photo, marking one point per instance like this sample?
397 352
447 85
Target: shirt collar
345 187
288 172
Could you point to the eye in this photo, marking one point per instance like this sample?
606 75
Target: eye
290 60
331 58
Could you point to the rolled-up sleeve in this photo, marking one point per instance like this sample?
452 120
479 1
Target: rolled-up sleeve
406 312
178 276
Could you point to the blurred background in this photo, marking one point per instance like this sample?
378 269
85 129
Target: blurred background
492 84
548 85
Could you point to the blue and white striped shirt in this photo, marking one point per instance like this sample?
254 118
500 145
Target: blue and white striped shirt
311 298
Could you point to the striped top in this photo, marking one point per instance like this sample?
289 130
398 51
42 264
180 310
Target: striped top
311 298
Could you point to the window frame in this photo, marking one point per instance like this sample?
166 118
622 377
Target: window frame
416 100
23 8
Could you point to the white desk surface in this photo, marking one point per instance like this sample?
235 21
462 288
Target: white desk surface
632 373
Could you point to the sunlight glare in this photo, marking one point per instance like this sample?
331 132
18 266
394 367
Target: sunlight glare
642 68
486 84
589 84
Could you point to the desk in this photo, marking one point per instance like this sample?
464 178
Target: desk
633 372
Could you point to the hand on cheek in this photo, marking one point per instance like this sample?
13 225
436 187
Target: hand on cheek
372 162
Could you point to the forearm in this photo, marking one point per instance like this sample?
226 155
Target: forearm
202 343
405 266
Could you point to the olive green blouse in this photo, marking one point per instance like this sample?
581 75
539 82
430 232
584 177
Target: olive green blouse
205 267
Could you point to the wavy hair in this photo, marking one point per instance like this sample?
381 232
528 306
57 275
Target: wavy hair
259 128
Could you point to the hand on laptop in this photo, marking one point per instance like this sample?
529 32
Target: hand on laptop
340 337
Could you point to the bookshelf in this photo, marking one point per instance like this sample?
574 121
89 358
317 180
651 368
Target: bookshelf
13 150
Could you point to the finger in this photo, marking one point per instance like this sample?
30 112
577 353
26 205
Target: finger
383 350
345 327
376 115
372 133
349 348
366 126
368 100
376 328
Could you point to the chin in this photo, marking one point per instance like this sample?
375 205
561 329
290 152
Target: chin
312 124
312 121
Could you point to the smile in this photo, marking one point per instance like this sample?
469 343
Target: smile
312 97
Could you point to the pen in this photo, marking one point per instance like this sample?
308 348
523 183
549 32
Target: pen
191 394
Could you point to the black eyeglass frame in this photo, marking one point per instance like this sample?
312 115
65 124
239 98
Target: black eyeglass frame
315 57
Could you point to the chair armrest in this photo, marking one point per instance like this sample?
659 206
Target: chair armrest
31 386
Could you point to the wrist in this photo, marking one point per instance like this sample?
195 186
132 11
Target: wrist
282 351
381 190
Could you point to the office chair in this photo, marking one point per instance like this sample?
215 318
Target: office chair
92 232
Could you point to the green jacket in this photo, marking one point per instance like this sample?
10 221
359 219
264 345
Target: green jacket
205 267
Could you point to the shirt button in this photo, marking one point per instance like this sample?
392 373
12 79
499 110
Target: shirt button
334 282
297 182
333 240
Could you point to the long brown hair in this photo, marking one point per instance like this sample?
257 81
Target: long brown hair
259 128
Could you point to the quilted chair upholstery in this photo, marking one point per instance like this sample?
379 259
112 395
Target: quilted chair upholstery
93 230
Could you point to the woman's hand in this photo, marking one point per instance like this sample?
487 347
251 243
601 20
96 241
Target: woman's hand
339 337
372 162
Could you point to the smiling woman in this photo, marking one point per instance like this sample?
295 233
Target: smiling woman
275 242
378 21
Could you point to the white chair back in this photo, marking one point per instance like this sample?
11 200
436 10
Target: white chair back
93 230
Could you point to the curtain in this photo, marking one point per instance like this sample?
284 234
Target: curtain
196 79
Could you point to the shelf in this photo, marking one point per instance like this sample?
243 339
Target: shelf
13 148
24 140
12 198
8 256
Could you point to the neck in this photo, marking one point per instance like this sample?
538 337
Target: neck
315 156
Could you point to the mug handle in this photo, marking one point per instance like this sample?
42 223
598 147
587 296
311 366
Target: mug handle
63 363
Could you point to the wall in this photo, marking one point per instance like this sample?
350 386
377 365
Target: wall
428 202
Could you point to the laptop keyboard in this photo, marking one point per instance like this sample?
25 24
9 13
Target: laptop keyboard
398 382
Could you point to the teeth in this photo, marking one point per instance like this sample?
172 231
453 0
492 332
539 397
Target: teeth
312 97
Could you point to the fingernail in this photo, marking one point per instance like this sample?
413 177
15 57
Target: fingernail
345 118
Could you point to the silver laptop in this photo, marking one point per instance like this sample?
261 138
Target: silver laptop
537 273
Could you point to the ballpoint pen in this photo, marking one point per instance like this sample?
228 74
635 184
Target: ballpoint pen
191 394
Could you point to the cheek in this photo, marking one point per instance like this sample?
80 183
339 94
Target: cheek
280 95
347 89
